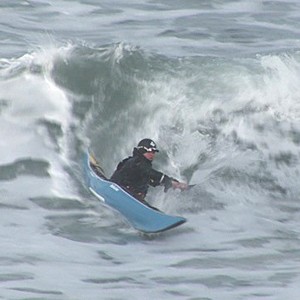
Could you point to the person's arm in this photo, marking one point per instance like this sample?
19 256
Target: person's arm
170 182
158 178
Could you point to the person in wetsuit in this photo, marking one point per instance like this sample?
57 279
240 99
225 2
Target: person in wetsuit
135 173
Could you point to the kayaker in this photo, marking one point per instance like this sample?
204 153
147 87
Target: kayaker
135 173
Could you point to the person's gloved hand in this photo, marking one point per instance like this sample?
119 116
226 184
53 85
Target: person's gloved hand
179 185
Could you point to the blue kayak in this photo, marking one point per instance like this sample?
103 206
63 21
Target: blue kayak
140 216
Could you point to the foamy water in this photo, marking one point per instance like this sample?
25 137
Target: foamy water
216 84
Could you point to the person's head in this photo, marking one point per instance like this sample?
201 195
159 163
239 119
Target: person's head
148 148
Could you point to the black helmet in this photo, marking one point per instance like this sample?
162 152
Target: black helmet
147 145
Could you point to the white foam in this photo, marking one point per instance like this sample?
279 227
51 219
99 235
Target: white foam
32 98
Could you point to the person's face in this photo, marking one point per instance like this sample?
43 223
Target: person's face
150 155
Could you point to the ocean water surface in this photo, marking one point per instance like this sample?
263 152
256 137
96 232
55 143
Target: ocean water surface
214 83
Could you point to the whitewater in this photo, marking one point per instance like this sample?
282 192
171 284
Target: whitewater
214 83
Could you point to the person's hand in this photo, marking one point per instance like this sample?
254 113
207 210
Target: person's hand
179 185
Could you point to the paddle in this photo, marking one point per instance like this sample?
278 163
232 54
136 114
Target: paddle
96 166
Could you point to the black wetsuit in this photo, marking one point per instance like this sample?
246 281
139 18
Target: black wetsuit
135 174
